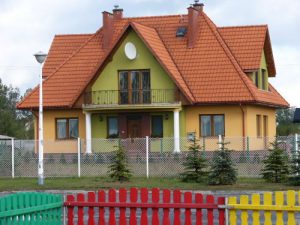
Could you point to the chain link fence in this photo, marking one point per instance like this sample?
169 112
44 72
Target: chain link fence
153 157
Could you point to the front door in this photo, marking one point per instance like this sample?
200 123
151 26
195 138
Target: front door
134 127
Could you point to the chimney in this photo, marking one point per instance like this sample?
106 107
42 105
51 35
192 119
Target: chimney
198 6
108 29
193 22
117 13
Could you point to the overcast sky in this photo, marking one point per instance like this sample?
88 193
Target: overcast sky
27 26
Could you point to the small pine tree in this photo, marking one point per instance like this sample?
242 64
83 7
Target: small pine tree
119 170
222 171
275 168
194 165
295 170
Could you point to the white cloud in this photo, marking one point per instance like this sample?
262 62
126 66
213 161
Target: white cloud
29 26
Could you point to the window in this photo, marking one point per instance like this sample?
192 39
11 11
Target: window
112 127
134 86
66 128
263 79
256 79
258 125
212 125
157 126
265 126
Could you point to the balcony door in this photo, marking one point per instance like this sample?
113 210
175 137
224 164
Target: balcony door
134 87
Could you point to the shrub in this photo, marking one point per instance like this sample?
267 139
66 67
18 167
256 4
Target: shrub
194 165
275 168
222 171
119 169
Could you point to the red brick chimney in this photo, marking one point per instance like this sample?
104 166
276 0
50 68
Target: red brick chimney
193 22
117 13
108 29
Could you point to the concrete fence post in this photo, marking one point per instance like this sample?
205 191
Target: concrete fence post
13 158
147 156
78 156
220 142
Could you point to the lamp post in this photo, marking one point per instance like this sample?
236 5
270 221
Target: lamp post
40 57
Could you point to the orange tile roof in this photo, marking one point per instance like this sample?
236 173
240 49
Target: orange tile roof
62 48
210 72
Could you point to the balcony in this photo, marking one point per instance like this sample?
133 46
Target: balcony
132 97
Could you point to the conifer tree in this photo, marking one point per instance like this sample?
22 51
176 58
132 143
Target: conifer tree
194 165
295 170
222 171
275 168
119 169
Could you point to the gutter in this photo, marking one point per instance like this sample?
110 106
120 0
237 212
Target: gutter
243 126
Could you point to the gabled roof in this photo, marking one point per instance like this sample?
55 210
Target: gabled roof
210 72
62 47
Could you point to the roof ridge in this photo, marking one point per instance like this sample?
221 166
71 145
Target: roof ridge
229 54
142 17
243 26
81 34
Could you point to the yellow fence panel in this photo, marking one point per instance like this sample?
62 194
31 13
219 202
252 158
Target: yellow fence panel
232 212
244 214
279 214
291 203
255 215
278 204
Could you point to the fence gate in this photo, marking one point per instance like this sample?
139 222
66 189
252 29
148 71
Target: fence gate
31 208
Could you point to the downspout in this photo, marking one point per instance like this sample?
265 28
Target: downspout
243 126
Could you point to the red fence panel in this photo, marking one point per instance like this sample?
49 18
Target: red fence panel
180 203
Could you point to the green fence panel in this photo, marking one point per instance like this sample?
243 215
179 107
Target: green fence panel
31 209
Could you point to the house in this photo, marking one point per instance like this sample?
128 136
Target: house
297 116
160 76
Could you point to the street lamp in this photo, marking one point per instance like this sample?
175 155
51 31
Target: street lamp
40 57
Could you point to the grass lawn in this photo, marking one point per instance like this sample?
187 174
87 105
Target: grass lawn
95 183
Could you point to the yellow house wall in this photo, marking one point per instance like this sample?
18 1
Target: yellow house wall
259 143
51 145
233 125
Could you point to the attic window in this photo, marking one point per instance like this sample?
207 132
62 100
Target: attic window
181 31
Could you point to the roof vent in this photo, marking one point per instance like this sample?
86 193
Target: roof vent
181 31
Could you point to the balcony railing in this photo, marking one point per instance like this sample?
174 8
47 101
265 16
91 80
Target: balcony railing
129 97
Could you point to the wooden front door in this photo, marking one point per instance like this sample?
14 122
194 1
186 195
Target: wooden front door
134 127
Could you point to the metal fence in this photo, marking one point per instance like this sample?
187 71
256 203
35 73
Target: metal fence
147 157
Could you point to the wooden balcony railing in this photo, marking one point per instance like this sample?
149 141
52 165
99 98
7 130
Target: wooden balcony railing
129 97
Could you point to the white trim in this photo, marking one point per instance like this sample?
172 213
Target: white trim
88 132
176 131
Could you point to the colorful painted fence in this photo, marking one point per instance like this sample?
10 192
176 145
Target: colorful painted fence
166 207
31 208
271 208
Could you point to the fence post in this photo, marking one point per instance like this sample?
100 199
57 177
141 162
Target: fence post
147 156
220 141
78 156
248 148
13 158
